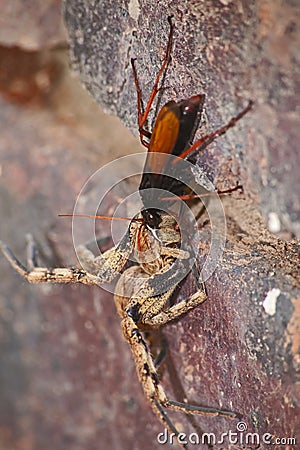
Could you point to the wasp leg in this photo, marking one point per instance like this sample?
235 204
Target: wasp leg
143 114
203 142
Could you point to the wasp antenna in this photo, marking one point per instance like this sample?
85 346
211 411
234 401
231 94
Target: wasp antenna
96 217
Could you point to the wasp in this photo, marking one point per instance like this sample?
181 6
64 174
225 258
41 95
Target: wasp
144 291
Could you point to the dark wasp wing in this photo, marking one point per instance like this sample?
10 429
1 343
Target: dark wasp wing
172 134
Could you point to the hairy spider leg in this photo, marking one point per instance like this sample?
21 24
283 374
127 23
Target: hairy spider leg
36 274
149 378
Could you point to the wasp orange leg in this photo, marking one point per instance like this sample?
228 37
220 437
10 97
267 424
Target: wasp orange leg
202 143
143 114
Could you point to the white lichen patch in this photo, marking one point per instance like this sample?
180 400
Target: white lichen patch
274 224
270 301
134 9
182 348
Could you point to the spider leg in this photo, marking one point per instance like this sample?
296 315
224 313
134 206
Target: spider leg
31 252
158 346
150 381
143 313
104 267
42 274
147 373
150 309
162 353
13 260
202 410
175 311
95 270
125 289
161 413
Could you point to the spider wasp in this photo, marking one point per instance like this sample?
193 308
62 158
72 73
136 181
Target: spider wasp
141 305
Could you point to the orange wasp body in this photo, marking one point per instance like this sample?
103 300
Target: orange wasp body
172 134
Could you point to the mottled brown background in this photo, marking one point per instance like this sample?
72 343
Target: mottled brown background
67 380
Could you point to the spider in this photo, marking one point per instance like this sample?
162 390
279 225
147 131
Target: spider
156 233
138 306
